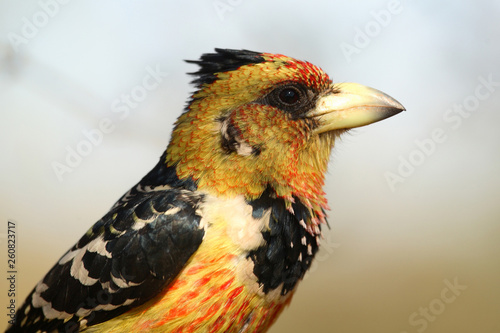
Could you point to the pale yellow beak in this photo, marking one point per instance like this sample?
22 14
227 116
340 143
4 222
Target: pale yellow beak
352 105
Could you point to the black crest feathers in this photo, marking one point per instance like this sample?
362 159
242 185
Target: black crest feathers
223 60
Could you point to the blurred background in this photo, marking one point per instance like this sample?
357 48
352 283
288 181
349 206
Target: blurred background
414 243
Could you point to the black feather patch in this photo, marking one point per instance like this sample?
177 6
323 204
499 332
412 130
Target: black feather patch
124 260
232 141
224 60
289 248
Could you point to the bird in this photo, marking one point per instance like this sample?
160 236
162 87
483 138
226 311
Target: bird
217 236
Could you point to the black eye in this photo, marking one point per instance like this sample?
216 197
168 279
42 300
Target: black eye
293 98
289 95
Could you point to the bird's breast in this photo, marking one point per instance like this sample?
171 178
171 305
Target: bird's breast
217 291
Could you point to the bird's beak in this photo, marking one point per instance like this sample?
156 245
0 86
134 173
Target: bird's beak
352 105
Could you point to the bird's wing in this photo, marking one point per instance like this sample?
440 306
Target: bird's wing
124 260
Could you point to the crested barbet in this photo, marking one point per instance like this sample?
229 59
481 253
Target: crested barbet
216 237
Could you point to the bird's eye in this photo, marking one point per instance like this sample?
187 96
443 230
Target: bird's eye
289 96
293 98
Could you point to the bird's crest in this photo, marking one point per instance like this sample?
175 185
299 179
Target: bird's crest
224 60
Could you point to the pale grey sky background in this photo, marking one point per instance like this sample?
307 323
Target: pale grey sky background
415 238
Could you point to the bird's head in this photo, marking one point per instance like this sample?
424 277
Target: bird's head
261 120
